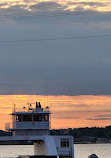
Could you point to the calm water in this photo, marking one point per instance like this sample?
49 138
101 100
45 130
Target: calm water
81 150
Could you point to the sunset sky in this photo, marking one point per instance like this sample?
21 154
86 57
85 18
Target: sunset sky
61 48
67 111
103 5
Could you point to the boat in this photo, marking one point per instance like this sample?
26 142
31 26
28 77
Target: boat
32 124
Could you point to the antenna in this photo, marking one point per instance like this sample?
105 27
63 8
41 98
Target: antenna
14 108
46 86
46 93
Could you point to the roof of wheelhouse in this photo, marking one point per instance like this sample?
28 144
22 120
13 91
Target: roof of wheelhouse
31 110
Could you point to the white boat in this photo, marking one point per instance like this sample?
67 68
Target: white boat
33 124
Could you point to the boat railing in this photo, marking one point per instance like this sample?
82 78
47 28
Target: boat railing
24 109
20 109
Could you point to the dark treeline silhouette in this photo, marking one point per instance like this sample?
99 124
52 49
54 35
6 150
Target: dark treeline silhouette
86 134
4 133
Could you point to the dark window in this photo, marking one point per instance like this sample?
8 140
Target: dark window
19 118
37 117
65 143
40 117
27 118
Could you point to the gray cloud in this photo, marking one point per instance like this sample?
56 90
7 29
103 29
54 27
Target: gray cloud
99 118
87 111
46 6
80 114
80 6
72 67
53 6
88 3
104 115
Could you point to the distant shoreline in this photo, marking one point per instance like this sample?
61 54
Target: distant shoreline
86 135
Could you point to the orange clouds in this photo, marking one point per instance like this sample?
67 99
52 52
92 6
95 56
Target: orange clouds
72 5
67 111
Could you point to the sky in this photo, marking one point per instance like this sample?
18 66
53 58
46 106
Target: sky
57 48
67 111
75 66
103 5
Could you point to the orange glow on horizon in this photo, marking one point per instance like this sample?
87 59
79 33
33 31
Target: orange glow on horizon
67 111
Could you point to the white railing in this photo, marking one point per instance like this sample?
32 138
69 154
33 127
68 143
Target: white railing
28 109
20 110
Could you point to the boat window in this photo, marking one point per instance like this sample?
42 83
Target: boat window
19 118
38 117
65 143
27 118
46 117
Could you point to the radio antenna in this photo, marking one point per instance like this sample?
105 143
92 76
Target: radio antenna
46 92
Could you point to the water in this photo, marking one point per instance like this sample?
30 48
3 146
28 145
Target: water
81 150
84 150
